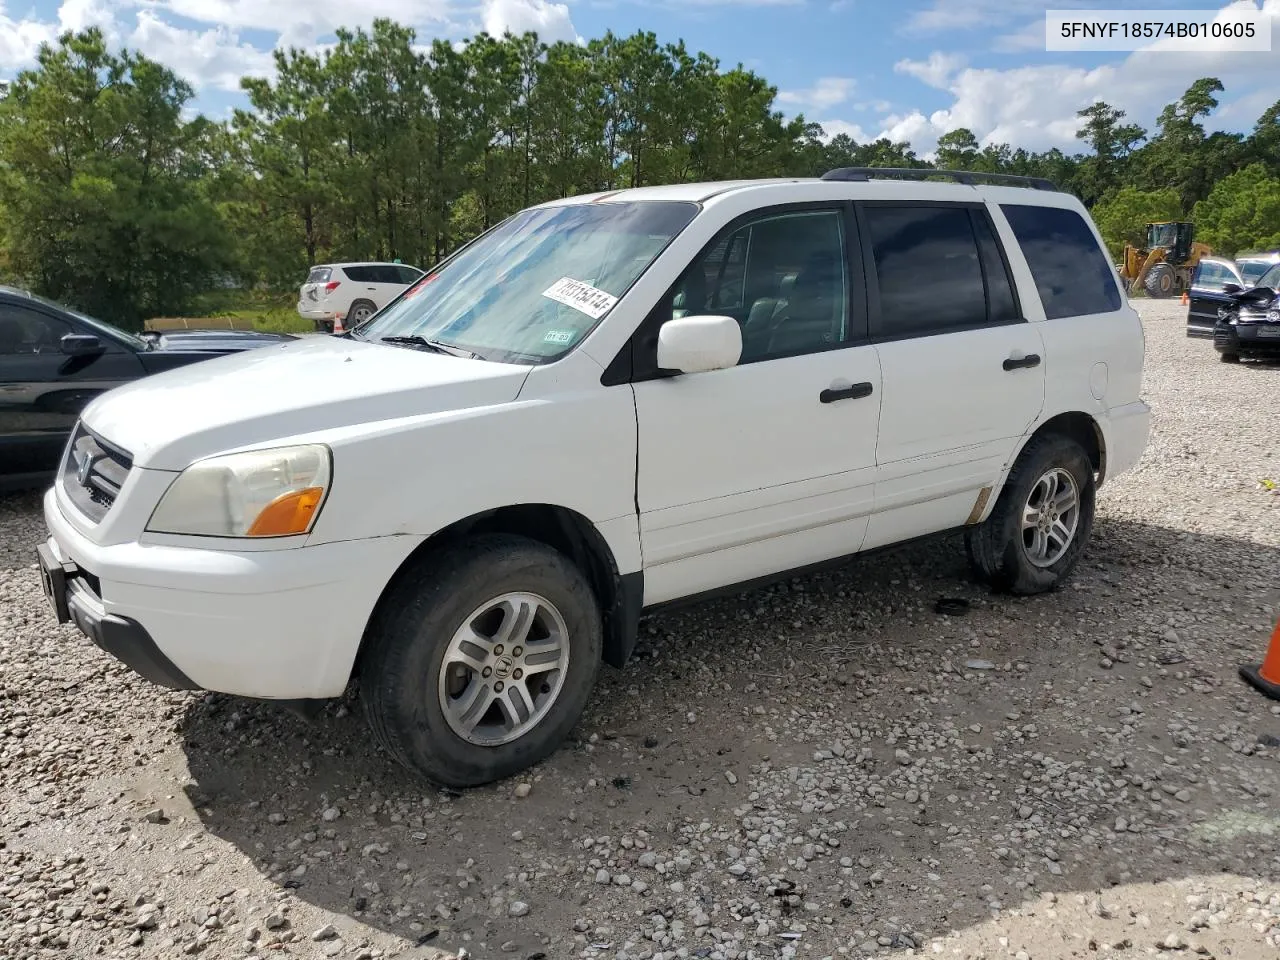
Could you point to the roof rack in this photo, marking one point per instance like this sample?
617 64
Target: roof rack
968 177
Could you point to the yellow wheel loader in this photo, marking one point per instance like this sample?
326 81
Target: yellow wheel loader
1163 267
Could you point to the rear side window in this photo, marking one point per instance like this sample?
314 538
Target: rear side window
319 275
407 275
359 274
1071 272
928 268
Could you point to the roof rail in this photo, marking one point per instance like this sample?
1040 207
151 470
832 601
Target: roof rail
968 177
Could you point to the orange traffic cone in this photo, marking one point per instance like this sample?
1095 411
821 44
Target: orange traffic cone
1266 677
1186 298
337 325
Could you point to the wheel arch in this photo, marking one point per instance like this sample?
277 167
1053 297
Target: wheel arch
1078 426
565 530
1081 427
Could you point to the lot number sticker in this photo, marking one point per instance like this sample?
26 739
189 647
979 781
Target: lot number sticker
581 296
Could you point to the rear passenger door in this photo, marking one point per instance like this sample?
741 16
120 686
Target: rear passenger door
963 371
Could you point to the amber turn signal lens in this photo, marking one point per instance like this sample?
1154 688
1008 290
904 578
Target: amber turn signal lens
287 514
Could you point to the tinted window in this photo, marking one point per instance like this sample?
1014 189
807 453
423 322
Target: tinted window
928 267
359 274
1069 268
24 331
1002 304
407 275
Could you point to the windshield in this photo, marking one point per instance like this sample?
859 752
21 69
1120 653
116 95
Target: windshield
1164 234
532 288
100 325
1252 270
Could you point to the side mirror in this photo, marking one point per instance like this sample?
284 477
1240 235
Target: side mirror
80 345
698 344
1231 289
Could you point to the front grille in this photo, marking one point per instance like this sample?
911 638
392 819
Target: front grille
93 472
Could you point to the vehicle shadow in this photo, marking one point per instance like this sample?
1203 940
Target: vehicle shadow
1079 720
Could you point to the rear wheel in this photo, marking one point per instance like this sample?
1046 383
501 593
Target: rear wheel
1041 521
360 311
481 660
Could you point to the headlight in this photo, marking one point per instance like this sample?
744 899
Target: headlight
261 493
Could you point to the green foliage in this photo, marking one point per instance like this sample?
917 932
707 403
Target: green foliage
1242 212
103 183
1122 217
381 148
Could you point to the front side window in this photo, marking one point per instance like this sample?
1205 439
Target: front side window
1212 276
534 286
1073 276
25 331
1270 279
782 277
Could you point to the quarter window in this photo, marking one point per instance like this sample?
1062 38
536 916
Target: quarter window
1073 276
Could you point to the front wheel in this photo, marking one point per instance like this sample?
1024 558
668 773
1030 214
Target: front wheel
481 660
1040 523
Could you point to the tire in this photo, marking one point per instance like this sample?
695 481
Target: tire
361 310
1160 281
998 549
1229 357
409 693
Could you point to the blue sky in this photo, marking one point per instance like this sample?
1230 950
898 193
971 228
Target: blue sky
909 69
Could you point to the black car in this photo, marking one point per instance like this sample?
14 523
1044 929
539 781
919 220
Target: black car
54 360
1208 293
1248 324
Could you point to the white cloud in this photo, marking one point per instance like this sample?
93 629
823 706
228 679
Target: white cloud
1035 106
20 40
550 21
211 58
833 128
302 22
935 71
827 92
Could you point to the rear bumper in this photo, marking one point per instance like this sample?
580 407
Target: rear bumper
1128 431
312 311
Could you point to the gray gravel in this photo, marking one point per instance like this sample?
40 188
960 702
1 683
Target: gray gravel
824 768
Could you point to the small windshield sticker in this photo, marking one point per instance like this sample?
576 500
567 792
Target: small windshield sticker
581 296
558 336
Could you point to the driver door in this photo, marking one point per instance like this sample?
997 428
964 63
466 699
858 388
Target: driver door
768 465
42 390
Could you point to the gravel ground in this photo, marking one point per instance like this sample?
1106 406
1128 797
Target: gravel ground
823 768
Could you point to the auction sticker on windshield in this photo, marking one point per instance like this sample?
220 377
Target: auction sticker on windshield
583 297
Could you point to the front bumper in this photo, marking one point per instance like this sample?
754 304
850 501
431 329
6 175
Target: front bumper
274 624
71 593
1247 339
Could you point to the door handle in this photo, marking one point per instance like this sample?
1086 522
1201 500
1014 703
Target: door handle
1030 360
832 394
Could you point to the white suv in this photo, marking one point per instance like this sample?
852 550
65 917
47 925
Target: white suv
351 292
602 405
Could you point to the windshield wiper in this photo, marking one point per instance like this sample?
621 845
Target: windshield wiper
433 345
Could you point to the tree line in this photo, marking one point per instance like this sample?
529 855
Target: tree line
115 198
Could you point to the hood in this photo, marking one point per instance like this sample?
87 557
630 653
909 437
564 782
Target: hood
214 341
168 420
